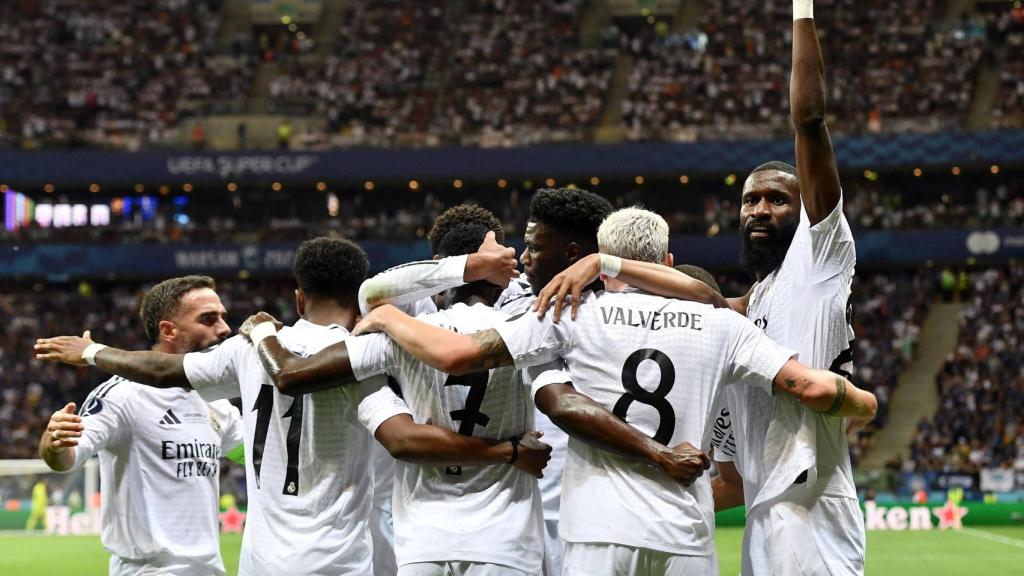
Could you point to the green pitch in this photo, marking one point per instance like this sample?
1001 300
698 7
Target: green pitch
996 550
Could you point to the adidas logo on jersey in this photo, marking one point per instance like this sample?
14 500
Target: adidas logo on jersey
169 418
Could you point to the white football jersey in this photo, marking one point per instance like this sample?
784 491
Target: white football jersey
307 459
517 299
803 305
659 364
485 514
159 453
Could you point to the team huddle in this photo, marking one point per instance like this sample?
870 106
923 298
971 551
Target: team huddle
458 417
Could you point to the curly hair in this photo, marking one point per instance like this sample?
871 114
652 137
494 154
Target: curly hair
465 239
458 216
330 267
163 301
571 211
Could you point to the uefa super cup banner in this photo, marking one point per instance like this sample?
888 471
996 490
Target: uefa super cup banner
561 161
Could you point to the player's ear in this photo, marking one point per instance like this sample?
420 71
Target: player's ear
168 330
300 302
573 251
669 259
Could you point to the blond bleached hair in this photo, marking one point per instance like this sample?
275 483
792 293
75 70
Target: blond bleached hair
634 234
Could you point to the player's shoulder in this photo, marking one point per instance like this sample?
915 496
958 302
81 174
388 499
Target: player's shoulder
116 390
465 318
516 296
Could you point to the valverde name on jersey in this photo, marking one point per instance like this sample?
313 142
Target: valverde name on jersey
650 319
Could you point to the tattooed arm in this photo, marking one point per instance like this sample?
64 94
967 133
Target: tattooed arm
823 391
145 367
447 351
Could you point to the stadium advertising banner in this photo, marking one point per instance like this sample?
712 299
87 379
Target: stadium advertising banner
556 161
64 261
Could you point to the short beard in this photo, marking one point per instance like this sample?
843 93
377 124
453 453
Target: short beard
762 257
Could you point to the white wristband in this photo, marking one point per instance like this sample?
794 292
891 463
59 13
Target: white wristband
610 265
89 354
803 9
262 331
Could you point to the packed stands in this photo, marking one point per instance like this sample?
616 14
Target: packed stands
490 72
978 423
123 76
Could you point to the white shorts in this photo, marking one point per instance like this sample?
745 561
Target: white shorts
382 533
826 539
458 569
554 549
158 567
584 559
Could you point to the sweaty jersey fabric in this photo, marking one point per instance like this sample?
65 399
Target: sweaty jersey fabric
488 514
660 365
803 305
308 467
159 452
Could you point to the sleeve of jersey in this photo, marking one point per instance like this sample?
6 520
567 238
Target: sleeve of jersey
405 285
546 374
832 246
231 428
532 341
370 354
377 403
214 372
106 422
755 359
722 437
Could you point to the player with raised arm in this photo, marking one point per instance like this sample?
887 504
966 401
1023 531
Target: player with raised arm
803 516
159 450
307 457
623 345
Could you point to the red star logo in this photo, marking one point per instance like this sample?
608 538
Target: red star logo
949 515
232 520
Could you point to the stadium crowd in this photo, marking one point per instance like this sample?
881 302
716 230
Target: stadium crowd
501 72
122 76
979 421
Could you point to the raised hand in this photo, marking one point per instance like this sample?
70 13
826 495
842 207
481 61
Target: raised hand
533 454
492 262
256 319
684 463
66 349
64 429
570 281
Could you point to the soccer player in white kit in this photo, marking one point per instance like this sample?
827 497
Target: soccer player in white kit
659 364
307 458
159 449
803 517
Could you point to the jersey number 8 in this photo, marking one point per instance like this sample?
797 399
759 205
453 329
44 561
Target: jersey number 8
656 399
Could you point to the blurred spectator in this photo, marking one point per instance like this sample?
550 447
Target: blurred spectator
981 386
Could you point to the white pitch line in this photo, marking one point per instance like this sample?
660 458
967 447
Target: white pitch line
994 537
